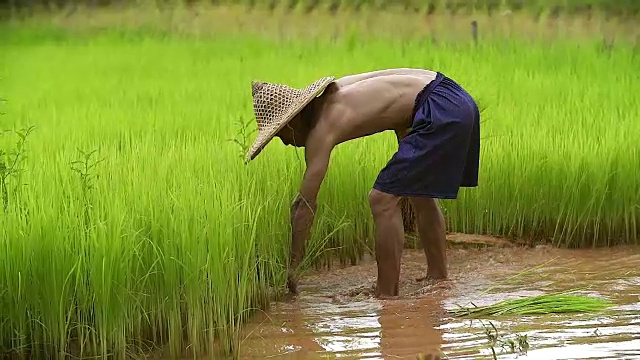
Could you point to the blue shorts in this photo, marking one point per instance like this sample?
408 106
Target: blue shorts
441 151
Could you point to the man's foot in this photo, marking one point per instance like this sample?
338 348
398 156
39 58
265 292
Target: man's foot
386 292
387 297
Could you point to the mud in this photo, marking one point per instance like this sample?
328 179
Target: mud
336 316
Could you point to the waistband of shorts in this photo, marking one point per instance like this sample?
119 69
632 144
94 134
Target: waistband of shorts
426 91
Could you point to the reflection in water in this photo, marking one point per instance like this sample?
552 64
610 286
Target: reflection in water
364 329
316 326
346 328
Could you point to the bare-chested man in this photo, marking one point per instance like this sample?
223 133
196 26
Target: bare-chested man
437 125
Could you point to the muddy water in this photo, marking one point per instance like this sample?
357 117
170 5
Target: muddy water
335 315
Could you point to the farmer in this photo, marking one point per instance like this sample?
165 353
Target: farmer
437 125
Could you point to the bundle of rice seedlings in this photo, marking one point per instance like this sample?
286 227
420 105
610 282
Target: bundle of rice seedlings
560 302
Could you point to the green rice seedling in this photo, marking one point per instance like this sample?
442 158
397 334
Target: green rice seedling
178 241
560 302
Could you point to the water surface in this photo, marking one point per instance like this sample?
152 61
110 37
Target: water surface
334 316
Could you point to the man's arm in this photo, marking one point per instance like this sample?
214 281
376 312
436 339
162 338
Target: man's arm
317 154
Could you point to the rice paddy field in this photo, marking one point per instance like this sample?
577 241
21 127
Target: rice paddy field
129 220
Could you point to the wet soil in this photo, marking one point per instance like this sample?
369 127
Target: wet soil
336 316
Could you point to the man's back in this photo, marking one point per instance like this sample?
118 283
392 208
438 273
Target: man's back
373 102
351 79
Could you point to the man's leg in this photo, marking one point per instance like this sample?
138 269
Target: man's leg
389 241
432 232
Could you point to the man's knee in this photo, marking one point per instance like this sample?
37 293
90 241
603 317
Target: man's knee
424 203
426 207
382 203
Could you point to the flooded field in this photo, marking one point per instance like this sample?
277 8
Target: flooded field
336 317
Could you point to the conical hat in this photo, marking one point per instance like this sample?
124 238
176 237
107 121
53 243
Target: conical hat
275 105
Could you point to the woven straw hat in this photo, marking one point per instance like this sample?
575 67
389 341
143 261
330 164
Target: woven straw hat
275 105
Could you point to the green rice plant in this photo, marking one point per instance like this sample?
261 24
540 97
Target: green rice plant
174 242
558 302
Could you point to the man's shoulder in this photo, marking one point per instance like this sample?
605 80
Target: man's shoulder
333 113
330 120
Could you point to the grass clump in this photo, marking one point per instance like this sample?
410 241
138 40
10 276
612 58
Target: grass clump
553 303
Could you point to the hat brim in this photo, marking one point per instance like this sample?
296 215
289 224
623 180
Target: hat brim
263 138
